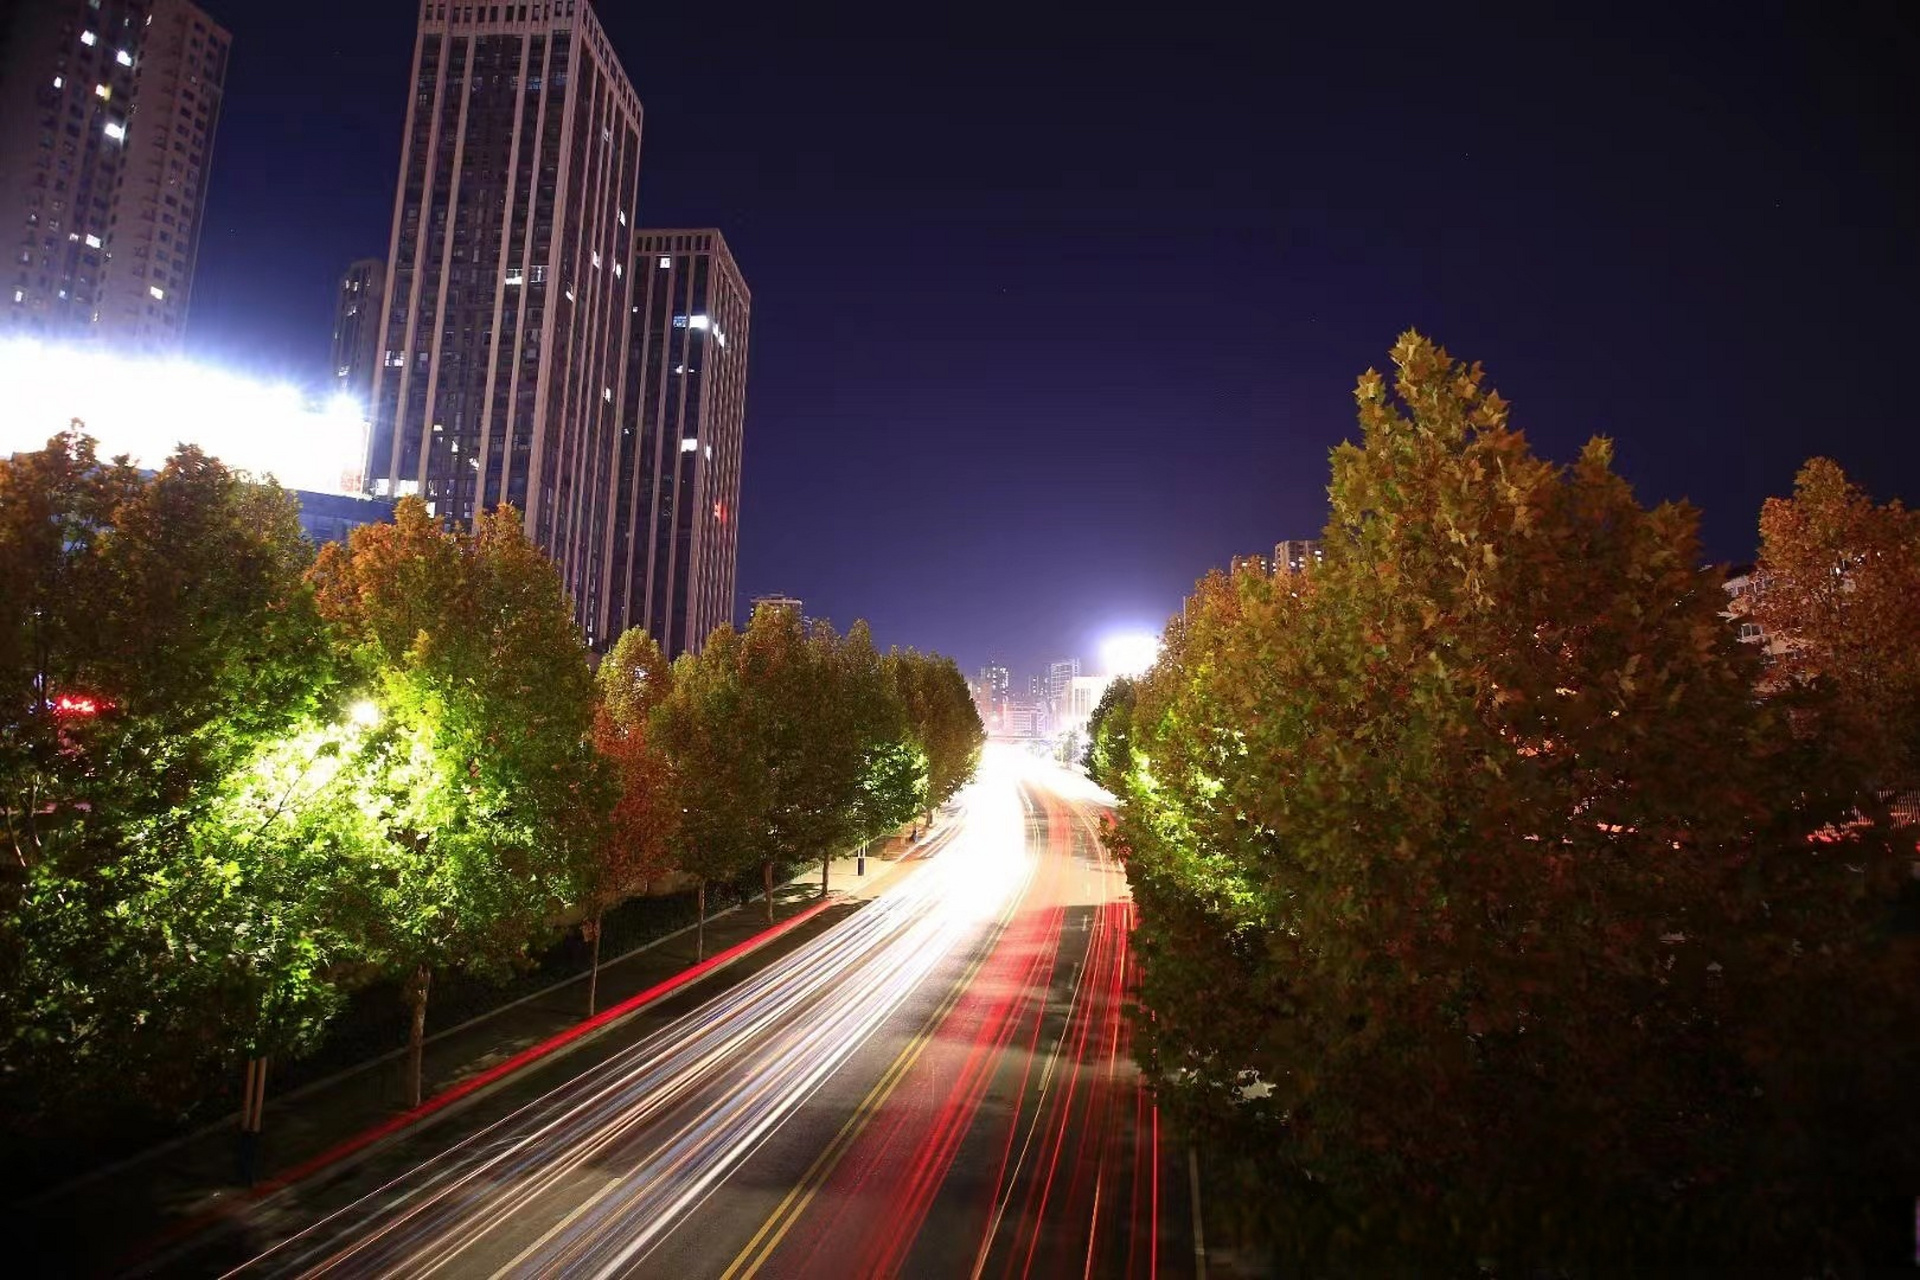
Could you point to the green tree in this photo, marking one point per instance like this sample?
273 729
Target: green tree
943 720
1446 930
707 728
1109 735
156 637
487 789
633 680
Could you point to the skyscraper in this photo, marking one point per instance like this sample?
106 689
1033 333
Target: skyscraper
676 522
510 281
357 315
1060 677
110 109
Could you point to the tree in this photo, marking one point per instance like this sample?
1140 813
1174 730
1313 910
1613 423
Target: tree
706 727
156 638
1445 930
491 799
1109 735
1840 590
943 720
633 679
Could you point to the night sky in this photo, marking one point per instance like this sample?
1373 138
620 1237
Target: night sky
1054 313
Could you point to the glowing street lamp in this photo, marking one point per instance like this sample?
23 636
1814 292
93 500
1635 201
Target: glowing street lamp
1130 653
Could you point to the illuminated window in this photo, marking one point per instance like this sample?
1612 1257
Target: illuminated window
665 263
623 217
699 322
124 58
596 259
617 272
116 130
101 91
19 295
158 293
88 39
59 82
688 444
93 242
515 276
606 393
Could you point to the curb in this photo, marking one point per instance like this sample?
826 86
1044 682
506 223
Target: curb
447 1097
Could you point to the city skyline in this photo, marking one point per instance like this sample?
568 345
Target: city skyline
1622 262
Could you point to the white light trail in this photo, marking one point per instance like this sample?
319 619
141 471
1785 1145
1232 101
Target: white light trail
145 408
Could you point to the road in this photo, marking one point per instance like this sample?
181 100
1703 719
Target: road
937 1085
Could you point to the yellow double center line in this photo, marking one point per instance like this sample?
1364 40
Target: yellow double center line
774 1229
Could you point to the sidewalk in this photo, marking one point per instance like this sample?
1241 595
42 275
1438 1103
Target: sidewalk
111 1211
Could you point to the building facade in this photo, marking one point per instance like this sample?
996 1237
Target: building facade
675 523
1060 676
110 109
511 265
357 313
1296 556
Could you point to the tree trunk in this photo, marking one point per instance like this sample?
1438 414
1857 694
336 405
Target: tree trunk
253 1105
766 877
593 974
700 930
417 1031
826 862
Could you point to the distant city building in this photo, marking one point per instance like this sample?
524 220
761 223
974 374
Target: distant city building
776 602
357 315
995 679
1060 676
683 408
1082 696
110 109
330 517
1025 718
1296 556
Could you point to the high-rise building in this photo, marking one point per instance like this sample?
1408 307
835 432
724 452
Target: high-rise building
1296 556
675 523
510 282
1059 676
357 316
995 679
110 109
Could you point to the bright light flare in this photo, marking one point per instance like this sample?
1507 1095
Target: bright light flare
145 408
1129 654
364 713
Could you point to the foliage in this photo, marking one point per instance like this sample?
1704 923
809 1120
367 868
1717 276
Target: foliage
486 792
1840 589
155 639
943 720
1109 734
632 680
718 759
1445 929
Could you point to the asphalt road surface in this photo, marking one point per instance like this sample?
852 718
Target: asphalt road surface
938 1084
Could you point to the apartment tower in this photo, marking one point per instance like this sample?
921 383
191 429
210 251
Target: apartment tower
358 311
676 521
110 110
510 290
